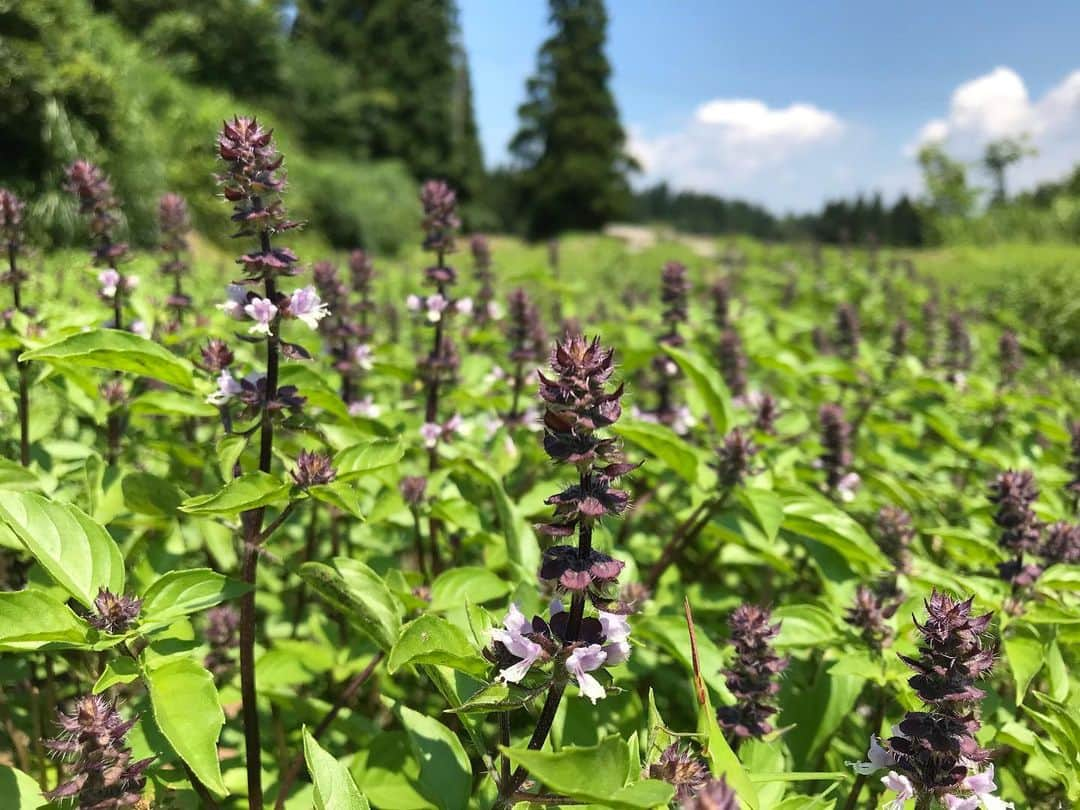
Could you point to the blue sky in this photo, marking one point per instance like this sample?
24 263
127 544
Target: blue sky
788 103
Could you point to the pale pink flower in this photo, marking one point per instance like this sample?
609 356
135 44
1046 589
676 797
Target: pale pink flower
227 388
262 311
235 303
365 407
580 663
877 759
364 357
305 305
512 636
463 306
435 305
109 281
901 786
413 303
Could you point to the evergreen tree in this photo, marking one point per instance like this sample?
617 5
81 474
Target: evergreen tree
413 72
571 146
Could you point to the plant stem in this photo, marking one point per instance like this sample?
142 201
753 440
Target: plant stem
558 686
685 534
253 536
343 699
24 368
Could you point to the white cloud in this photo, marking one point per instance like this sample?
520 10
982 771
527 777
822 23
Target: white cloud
734 146
998 105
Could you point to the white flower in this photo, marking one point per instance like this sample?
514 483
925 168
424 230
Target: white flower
848 486
877 759
435 305
683 421
413 303
131 282
109 281
430 432
580 663
227 388
234 306
901 786
306 305
464 306
512 636
616 630
140 328
262 311
982 787
364 357
494 310
365 407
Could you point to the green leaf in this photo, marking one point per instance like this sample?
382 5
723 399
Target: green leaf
709 384
19 791
72 547
118 671
187 710
1024 652
722 760
498 697
114 350
335 789
33 615
596 774
360 594
445 773
355 461
804 626
171 403
521 546
341 495
663 443
820 520
178 593
433 640
765 506
472 584
249 491
148 494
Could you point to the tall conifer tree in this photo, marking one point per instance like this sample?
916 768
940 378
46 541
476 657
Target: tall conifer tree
571 146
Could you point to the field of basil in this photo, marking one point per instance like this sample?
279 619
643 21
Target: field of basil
494 524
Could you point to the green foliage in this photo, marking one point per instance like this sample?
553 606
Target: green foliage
570 146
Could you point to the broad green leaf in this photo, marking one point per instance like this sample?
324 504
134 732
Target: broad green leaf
663 443
148 494
433 640
119 670
445 772
360 594
188 712
172 403
722 760
804 626
596 774
709 384
249 491
355 461
471 584
819 520
1024 652
521 546
33 615
19 791
765 506
341 495
335 789
497 697
115 350
76 551
179 593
